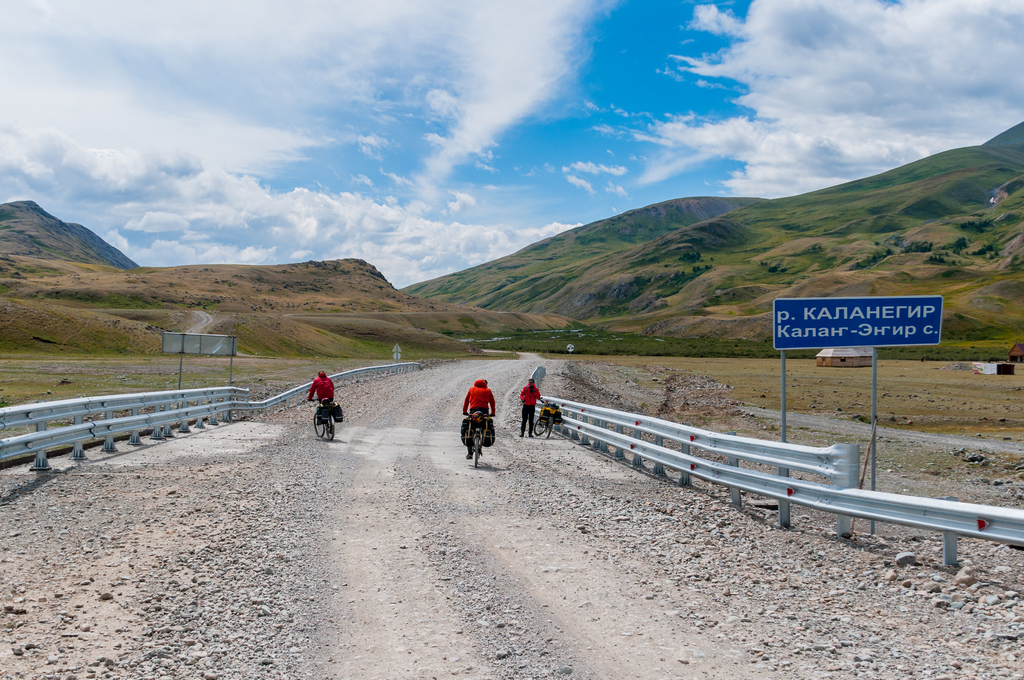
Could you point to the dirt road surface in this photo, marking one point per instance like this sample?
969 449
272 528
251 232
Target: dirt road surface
257 550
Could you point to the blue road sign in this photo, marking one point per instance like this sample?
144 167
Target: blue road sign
817 323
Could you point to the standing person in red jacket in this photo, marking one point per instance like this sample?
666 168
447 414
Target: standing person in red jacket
478 399
529 396
324 388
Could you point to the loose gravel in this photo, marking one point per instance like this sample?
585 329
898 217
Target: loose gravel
255 550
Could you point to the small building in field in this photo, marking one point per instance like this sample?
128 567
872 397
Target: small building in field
845 357
1017 353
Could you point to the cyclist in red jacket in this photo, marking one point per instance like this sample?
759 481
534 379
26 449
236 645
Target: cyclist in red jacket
324 388
478 399
529 396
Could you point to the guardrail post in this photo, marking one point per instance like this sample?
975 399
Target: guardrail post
108 441
684 476
134 438
41 463
949 541
847 467
184 422
734 492
618 449
784 515
199 418
659 469
78 451
158 430
227 414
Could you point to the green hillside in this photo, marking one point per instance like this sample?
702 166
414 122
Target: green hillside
536 277
948 224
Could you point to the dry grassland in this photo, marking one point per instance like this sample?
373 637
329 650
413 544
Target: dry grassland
911 394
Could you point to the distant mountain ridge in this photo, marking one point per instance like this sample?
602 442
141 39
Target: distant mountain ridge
27 230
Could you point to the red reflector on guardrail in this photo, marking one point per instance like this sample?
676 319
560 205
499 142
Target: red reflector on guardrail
692 437
790 492
632 446
638 422
692 466
982 524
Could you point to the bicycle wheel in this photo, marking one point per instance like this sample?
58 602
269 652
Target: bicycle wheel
478 442
547 429
318 427
538 428
330 429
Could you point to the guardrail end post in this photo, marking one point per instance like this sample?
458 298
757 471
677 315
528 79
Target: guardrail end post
108 444
949 541
41 463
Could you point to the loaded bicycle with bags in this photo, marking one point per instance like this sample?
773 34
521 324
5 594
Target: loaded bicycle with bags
327 412
478 424
477 432
550 415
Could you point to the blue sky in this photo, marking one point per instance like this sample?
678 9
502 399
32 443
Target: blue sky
427 137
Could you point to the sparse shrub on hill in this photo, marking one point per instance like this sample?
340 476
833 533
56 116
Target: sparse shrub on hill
979 226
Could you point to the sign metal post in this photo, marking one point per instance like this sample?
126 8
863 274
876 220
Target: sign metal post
818 323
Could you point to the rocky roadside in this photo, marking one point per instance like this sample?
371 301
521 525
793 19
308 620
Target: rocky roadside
198 567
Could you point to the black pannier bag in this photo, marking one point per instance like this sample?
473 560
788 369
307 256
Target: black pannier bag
488 432
337 413
466 437
323 415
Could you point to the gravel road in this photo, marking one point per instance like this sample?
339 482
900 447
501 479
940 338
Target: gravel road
255 550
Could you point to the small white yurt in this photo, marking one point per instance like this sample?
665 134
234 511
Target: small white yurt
845 357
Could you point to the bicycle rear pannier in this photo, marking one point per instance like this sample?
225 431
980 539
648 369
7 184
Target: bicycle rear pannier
488 432
337 413
323 415
467 438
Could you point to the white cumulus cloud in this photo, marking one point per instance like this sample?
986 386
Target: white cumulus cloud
581 183
840 89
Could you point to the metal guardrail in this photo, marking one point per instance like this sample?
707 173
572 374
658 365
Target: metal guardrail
297 395
646 437
94 417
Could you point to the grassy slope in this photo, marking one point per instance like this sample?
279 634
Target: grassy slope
341 308
854 239
526 280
